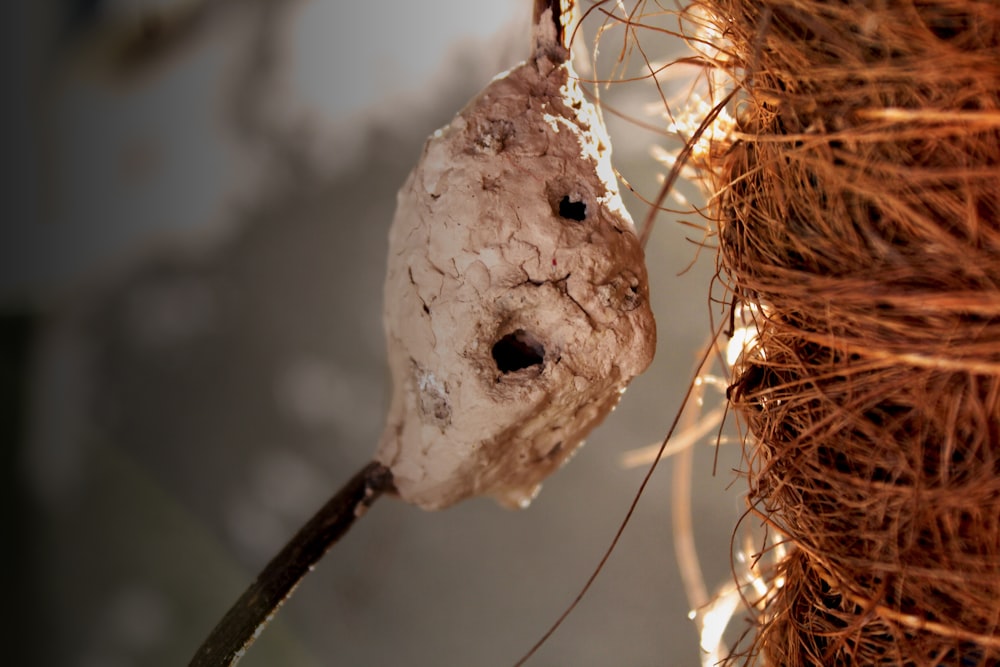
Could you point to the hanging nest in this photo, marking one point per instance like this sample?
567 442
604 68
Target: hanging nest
858 208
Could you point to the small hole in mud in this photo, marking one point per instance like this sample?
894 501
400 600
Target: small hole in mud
573 210
517 351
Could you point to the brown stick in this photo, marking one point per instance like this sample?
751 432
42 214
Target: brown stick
246 619
563 16
556 7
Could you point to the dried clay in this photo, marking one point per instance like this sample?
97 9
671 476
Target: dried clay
516 298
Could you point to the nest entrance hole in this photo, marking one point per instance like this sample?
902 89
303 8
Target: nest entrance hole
518 350
572 210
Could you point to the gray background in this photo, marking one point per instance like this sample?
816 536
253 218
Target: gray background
191 293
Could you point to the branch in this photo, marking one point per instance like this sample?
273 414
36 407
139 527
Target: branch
553 39
246 619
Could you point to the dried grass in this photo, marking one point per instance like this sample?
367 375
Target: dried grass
858 210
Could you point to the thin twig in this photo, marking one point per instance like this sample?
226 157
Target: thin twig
246 619
628 515
557 18
681 509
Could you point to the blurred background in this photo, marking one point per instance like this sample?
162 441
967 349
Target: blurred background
197 195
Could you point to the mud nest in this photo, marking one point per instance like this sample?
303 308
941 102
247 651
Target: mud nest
858 210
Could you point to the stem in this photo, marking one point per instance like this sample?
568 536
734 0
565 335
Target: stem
556 7
631 509
553 40
246 619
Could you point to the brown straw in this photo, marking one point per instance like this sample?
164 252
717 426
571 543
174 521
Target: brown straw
858 210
